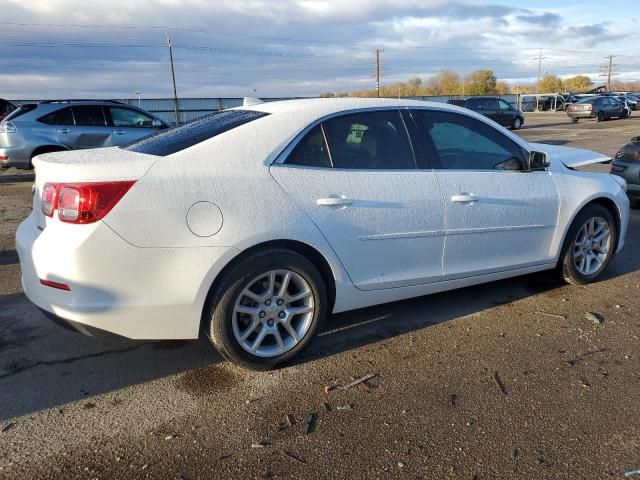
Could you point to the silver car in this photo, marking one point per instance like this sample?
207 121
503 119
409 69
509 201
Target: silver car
57 125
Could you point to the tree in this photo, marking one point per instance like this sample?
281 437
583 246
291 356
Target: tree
412 87
550 84
578 83
481 82
503 88
445 82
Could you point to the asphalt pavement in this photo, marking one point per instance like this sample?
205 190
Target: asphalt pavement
520 379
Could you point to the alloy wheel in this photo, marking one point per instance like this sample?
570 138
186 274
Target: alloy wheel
273 313
592 246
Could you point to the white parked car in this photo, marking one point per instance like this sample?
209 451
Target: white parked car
253 224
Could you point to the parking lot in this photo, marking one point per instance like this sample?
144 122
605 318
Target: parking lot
513 379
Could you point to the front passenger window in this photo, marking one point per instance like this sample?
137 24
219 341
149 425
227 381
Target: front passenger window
460 142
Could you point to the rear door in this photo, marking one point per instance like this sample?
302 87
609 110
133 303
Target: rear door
355 176
129 124
90 130
499 215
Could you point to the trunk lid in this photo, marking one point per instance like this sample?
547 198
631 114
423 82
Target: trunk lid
96 165
569 156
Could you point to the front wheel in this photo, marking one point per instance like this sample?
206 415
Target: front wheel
589 245
266 309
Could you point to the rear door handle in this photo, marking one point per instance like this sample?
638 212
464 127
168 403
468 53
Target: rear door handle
464 198
63 130
119 132
334 200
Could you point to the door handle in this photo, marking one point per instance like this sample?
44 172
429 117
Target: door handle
63 130
119 132
464 198
333 201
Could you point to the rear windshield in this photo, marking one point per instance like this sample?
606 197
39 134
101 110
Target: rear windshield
176 139
587 100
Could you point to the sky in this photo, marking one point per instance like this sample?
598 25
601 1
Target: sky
236 48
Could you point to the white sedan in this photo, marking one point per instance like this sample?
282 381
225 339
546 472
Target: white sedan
253 224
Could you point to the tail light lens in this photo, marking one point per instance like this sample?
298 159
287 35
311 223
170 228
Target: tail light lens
7 127
49 198
83 202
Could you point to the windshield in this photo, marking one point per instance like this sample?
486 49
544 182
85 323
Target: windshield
179 138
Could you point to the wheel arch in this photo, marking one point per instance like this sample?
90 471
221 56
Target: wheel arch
47 149
605 202
310 253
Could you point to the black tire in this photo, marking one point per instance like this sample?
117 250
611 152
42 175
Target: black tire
516 123
566 265
574 120
218 314
600 117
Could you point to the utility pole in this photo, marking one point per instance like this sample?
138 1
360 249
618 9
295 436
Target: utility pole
539 70
378 72
173 77
607 70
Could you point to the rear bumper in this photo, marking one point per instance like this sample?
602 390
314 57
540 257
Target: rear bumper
586 114
138 293
16 157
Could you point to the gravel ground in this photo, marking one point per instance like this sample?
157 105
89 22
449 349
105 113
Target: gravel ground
506 380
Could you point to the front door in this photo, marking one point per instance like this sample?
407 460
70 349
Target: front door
499 215
355 176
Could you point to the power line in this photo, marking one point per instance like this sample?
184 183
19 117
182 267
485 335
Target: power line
279 38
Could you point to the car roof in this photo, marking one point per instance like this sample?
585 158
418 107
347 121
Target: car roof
326 106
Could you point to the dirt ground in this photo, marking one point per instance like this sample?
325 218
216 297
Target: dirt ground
509 380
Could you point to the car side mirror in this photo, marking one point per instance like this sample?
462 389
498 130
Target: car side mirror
538 161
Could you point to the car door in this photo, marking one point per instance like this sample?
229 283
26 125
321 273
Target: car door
129 124
90 130
506 113
355 176
499 215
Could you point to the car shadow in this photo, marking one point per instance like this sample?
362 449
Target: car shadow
44 366
9 257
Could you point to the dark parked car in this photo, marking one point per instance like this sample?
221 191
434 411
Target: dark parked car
495 108
6 107
626 164
600 108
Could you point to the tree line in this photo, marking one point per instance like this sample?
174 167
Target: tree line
480 82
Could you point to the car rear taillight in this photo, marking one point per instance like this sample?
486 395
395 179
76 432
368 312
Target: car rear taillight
49 198
82 202
7 127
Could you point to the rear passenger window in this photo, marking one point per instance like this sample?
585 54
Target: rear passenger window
375 140
64 116
311 151
460 142
89 116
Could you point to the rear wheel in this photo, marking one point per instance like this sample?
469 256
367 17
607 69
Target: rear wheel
600 116
266 309
516 123
574 120
589 245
